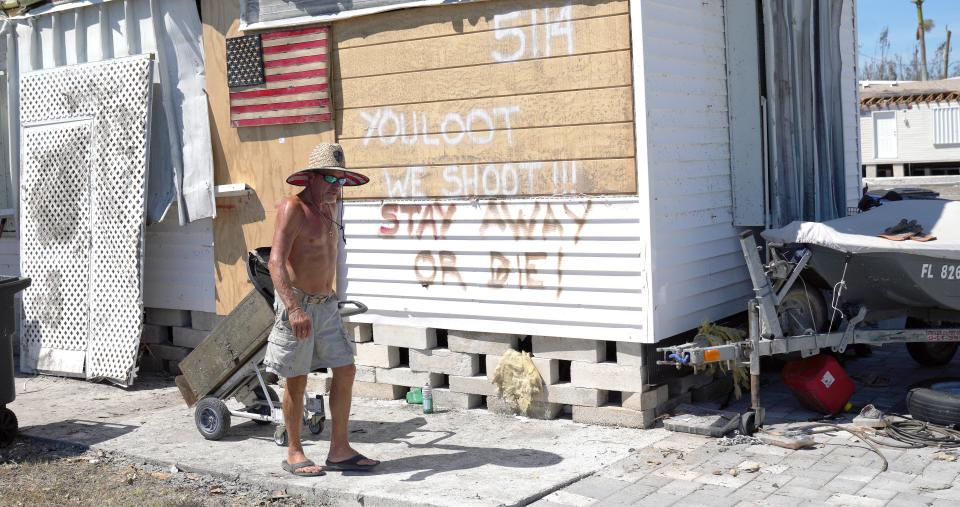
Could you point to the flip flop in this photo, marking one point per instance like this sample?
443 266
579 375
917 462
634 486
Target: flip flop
351 464
303 464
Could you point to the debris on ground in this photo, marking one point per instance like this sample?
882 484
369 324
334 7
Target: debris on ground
517 380
738 439
702 421
787 440
943 456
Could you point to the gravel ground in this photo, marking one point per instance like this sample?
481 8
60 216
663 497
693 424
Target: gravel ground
37 473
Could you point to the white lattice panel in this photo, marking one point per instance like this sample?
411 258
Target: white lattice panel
55 198
116 94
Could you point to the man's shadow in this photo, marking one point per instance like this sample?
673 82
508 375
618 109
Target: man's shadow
454 457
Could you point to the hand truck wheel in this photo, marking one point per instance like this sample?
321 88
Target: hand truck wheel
280 436
8 426
316 424
212 418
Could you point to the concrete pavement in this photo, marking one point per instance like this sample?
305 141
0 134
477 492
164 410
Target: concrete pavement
478 458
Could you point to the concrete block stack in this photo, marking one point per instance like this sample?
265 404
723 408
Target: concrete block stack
595 381
169 335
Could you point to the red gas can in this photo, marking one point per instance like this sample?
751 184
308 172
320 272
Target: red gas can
820 383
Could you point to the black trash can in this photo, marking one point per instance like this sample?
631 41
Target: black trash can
9 287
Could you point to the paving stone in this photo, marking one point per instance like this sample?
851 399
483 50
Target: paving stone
837 485
381 356
472 385
878 493
635 492
566 499
794 491
680 488
609 415
445 398
859 473
204 321
778 500
470 342
569 349
359 332
444 361
853 500
378 391
155 334
165 317
608 376
420 338
656 499
910 499
597 487
188 337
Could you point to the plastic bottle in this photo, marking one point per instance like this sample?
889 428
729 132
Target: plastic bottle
427 399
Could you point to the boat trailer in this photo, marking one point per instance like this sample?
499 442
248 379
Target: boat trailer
771 282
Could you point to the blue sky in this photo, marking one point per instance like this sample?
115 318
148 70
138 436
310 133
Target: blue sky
901 17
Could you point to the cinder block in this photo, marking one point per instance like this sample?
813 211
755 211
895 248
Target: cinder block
378 391
188 337
204 321
155 334
615 416
365 374
445 398
608 376
651 398
537 409
403 336
407 377
715 390
149 364
567 394
670 405
164 317
569 349
470 342
444 361
320 382
359 332
680 385
549 369
472 385
168 352
173 367
631 354
380 356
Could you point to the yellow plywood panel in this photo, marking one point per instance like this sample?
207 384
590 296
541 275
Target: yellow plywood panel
614 140
607 176
469 18
602 105
497 80
261 157
564 38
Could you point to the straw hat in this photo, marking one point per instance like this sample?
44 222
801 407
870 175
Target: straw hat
327 158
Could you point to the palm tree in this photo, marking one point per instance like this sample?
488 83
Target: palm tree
923 26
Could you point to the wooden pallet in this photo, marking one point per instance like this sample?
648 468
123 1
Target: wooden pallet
229 346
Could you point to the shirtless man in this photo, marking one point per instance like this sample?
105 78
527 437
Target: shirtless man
308 333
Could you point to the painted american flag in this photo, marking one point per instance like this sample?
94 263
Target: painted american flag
279 78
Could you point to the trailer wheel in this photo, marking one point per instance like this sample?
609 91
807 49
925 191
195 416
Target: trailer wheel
932 354
936 401
8 426
802 310
212 418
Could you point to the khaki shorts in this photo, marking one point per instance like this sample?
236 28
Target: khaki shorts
326 347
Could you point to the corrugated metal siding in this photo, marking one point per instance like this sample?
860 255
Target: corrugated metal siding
698 270
178 264
565 267
915 133
256 14
851 101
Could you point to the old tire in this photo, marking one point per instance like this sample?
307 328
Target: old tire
212 418
936 401
8 427
932 353
802 309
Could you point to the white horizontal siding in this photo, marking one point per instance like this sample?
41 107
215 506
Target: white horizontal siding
915 135
563 267
850 101
698 271
178 266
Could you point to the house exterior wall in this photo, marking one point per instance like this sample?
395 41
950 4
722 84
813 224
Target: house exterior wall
697 269
914 135
851 102
178 261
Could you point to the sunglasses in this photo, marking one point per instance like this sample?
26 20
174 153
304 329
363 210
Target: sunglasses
329 178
